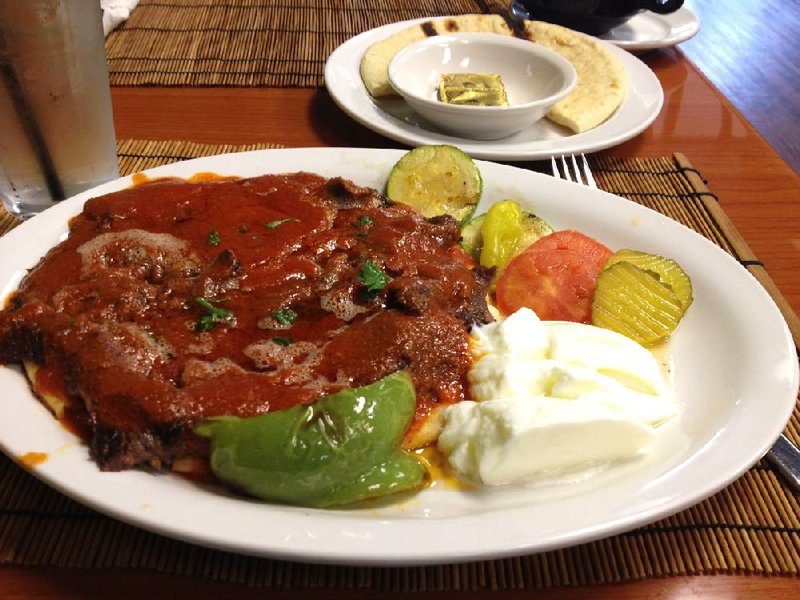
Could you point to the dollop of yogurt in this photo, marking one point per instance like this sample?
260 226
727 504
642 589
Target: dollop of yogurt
552 397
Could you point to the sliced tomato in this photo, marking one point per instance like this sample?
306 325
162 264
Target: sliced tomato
555 277
569 239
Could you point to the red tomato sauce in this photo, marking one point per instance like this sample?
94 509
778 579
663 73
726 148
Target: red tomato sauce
113 309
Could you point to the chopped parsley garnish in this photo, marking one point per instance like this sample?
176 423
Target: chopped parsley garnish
279 222
364 221
282 341
363 224
212 316
284 316
373 278
213 238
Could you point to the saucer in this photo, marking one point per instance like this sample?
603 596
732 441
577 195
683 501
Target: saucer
649 30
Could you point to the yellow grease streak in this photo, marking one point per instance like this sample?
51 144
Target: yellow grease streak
30 460
441 476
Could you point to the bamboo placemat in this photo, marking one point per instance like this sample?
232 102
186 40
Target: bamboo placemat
752 526
274 43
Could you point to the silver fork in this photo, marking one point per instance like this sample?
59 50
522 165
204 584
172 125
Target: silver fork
571 171
783 454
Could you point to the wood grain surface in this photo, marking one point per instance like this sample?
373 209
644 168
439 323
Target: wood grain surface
748 50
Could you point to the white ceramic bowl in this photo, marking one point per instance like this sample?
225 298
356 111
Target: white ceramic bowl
535 78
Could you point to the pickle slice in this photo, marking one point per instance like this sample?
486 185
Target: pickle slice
668 271
436 180
633 302
533 228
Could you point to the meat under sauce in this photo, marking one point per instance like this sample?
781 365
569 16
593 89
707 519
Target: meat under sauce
284 262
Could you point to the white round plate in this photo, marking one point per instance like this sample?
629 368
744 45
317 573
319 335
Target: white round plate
735 373
393 118
649 30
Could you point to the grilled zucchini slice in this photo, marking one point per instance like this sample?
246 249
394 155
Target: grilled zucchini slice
437 180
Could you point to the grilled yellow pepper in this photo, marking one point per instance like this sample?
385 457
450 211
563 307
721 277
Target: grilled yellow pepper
501 232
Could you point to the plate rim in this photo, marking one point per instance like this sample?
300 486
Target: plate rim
401 557
378 121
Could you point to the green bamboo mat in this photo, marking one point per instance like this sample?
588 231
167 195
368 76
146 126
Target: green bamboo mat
752 526
273 43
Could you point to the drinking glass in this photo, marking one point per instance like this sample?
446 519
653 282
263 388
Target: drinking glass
56 128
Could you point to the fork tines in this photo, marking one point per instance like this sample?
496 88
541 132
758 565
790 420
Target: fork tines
570 170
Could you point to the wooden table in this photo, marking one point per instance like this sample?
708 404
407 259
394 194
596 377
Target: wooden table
756 187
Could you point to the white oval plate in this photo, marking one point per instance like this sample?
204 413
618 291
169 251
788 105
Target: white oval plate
735 371
649 30
393 118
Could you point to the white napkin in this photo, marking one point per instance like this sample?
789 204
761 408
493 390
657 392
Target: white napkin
115 12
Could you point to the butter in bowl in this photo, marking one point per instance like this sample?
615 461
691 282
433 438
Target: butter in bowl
480 86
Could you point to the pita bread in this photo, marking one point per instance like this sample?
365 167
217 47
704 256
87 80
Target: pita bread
375 62
602 80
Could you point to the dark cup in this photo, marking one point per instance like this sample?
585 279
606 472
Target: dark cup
594 17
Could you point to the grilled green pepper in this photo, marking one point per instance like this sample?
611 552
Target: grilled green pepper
341 449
